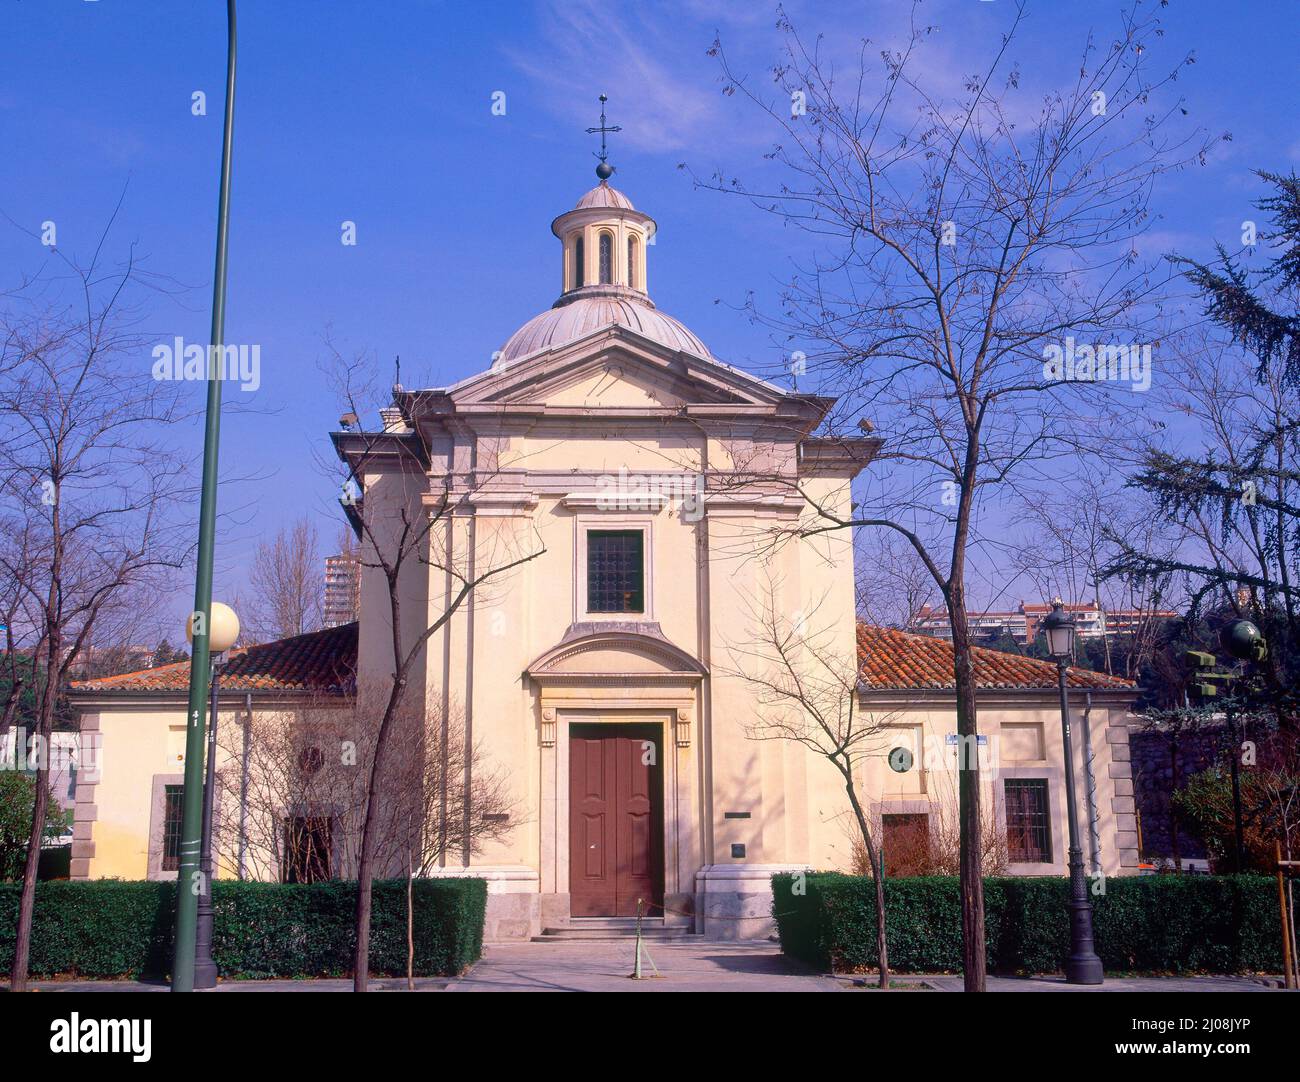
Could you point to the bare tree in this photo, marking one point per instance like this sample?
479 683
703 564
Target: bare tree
893 584
305 771
941 854
807 691
405 496
84 470
286 583
963 243
19 672
435 815
1073 537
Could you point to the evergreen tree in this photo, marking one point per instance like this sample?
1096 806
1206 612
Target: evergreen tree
1242 490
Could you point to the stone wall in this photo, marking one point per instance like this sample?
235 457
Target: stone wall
1153 783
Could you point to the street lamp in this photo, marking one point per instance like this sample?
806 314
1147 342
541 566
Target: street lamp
1083 966
189 874
223 631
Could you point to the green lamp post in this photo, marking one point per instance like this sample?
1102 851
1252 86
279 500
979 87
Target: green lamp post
191 883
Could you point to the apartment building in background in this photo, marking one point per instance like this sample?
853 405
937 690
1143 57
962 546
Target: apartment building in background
1021 624
342 589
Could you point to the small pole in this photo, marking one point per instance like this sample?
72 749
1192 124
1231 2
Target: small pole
243 786
1239 847
1286 919
636 974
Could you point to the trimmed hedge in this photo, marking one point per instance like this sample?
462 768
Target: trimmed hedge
114 928
1149 924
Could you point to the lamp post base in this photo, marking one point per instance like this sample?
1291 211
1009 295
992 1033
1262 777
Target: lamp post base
1078 970
205 969
1082 966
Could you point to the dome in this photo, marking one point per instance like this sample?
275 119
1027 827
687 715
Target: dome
582 315
603 267
602 195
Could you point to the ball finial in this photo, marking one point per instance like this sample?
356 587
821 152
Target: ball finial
604 170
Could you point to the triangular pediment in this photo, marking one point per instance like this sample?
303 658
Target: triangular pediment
614 368
614 381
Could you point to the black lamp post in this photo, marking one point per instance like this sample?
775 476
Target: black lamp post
222 636
1083 966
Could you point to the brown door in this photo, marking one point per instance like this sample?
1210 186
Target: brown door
616 822
907 844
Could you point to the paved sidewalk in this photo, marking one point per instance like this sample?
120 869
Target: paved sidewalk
684 965
604 966
1112 984
343 984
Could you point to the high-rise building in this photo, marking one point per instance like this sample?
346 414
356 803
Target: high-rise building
1021 623
342 589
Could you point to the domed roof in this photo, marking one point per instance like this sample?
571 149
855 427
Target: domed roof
602 195
606 307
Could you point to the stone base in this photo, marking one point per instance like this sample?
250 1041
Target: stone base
680 911
735 900
731 901
555 909
512 918
514 906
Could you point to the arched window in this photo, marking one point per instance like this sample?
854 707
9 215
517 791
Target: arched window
631 262
579 263
606 259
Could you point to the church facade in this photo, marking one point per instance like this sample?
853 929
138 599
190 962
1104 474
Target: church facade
652 482
628 508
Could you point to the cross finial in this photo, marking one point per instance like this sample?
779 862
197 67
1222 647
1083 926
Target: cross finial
604 170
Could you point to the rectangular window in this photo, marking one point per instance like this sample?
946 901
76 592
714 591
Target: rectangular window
172 812
1029 838
615 571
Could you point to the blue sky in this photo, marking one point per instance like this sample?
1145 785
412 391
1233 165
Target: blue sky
380 113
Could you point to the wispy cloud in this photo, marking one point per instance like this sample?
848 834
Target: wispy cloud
667 99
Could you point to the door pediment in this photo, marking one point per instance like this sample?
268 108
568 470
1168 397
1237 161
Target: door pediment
605 649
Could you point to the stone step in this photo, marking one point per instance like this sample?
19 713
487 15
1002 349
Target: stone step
612 922
590 928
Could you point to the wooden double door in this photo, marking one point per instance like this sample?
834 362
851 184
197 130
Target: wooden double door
616 820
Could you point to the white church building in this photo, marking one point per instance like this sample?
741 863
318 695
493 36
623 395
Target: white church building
616 677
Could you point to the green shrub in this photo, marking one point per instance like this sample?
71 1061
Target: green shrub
113 928
1152 924
17 802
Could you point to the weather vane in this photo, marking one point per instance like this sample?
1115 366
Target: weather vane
604 170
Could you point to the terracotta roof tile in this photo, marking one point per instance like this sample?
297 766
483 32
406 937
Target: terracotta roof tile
891 660
320 661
